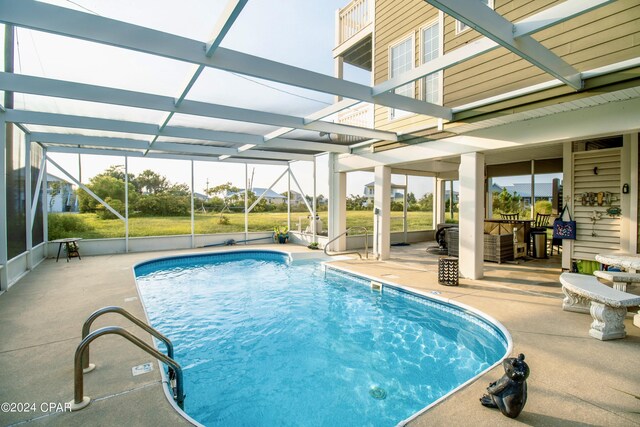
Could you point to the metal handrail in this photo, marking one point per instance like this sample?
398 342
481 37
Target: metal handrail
366 243
119 310
80 401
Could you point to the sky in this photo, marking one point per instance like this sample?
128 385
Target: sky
296 32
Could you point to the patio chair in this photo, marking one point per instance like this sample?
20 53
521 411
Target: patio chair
510 216
556 242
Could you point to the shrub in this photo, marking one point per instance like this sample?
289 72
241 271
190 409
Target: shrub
63 225
104 213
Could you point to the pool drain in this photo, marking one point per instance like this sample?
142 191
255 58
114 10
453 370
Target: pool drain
377 392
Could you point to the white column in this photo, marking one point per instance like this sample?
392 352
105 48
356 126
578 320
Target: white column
471 215
633 195
338 70
337 205
4 277
438 202
533 189
382 212
625 199
567 196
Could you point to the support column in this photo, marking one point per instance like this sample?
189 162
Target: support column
338 71
44 204
567 197
382 212
4 277
438 202
471 215
337 205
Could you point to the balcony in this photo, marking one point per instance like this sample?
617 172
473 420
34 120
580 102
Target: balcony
354 29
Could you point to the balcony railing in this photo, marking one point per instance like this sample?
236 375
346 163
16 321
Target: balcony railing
353 18
361 116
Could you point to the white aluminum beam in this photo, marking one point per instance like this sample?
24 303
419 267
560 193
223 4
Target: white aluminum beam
85 92
66 22
94 141
133 144
532 24
62 120
198 158
492 25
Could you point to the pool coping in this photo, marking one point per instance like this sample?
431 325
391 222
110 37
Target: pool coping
325 262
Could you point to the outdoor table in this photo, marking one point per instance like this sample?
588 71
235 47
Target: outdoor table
71 244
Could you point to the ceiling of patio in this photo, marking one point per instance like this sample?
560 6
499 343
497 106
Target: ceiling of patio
209 80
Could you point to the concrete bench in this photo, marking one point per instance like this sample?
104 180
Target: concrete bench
608 306
620 279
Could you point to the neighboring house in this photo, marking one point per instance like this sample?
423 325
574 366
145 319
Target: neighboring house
542 191
200 196
60 195
396 196
269 195
296 198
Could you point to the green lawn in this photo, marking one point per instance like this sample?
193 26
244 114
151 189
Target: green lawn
88 226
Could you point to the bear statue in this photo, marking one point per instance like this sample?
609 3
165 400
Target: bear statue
509 393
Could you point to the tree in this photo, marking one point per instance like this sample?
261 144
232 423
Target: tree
104 186
356 203
150 182
55 188
411 199
506 202
426 202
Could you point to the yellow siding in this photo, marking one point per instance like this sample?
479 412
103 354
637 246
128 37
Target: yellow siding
601 37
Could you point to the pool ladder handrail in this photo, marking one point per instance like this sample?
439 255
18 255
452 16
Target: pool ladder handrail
366 243
80 401
81 359
86 328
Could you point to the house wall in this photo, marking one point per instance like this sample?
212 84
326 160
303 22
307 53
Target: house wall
607 35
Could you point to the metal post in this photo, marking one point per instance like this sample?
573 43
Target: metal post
44 205
451 199
289 197
126 204
533 189
28 200
404 209
4 277
315 201
193 225
246 203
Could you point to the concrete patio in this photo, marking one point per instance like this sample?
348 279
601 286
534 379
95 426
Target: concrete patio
575 379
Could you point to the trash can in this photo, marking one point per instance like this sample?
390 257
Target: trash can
448 271
539 245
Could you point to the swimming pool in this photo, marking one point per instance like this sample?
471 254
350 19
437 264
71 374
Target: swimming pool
266 341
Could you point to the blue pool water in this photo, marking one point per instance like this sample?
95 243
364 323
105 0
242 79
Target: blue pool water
265 342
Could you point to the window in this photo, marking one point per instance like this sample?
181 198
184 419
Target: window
431 50
401 60
461 26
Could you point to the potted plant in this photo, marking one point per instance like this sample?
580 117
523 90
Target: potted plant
313 245
280 235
